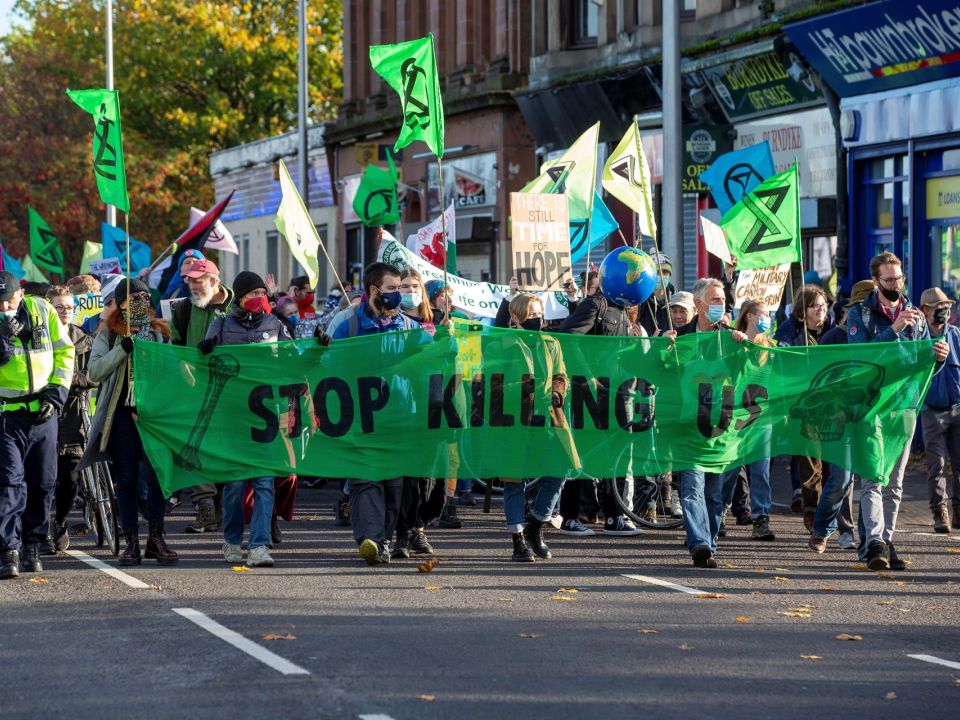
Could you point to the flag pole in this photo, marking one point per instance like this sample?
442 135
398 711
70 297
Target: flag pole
443 223
126 227
803 295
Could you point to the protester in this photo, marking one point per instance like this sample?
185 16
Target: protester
654 312
940 415
177 287
83 284
682 308
288 313
302 293
886 316
113 433
249 321
108 286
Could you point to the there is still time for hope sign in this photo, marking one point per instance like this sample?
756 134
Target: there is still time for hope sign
541 240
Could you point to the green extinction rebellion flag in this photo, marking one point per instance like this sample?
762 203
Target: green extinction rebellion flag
44 247
475 401
410 68
763 229
108 166
376 200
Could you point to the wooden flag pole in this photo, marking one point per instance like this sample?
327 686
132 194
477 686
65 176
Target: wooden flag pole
126 227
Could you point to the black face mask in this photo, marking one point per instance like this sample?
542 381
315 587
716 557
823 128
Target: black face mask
891 295
532 323
941 315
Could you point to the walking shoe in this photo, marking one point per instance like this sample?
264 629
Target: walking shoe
846 541
370 552
620 525
744 517
808 520
401 551
651 514
61 538
522 551
941 519
573 526
449 520
419 545
30 562
703 557
555 521
232 554
955 517
533 533
172 503
343 511
761 529
896 563
206 520
384 557
817 544
877 557
465 498
9 564
675 509
157 548
47 547
797 504
259 556
276 536
722 530
131 553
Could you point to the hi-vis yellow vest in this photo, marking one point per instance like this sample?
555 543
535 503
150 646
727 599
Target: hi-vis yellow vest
45 359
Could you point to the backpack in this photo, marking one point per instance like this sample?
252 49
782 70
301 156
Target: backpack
181 319
604 325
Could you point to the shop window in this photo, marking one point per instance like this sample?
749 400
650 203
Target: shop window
273 254
688 10
951 160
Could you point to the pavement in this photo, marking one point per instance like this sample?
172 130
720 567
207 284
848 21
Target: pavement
621 627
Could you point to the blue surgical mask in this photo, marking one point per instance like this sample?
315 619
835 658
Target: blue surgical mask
391 300
293 319
715 313
411 300
763 323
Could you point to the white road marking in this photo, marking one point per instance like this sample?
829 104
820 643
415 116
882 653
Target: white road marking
374 717
664 583
241 643
942 536
936 661
108 569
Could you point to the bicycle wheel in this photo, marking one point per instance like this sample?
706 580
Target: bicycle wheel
91 505
107 509
652 496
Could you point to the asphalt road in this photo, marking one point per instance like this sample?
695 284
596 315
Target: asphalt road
482 637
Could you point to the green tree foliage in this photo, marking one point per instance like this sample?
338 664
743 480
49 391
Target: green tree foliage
194 77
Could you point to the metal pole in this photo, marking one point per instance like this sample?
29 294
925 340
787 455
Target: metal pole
111 210
302 103
671 224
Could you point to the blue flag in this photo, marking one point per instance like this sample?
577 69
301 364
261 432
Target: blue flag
115 246
737 173
11 264
602 223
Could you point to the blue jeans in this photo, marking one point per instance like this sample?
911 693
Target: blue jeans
259 520
758 475
701 497
548 495
833 495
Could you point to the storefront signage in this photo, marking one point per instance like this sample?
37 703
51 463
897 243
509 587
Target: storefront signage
468 182
883 45
943 197
702 144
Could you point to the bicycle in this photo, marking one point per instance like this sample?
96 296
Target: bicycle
100 500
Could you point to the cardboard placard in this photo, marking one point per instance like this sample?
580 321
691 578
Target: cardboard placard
763 284
107 266
86 306
541 240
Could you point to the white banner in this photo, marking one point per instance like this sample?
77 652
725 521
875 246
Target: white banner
480 298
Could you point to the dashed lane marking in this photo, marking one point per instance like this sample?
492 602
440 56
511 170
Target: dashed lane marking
936 661
120 575
664 583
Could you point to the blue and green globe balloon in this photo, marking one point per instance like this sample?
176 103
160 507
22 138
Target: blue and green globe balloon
627 276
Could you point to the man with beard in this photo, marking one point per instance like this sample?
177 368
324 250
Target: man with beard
192 317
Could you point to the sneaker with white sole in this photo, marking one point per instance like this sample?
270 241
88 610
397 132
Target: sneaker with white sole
620 525
259 557
846 541
555 521
232 553
573 526
370 552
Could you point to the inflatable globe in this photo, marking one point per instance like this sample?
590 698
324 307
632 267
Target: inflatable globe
628 276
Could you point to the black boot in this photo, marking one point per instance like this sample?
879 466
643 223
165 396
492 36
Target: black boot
47 547
533 533
157 547
31 558
9 564
206 520
131 553
896 562
449 520
521 551
275 535
61 537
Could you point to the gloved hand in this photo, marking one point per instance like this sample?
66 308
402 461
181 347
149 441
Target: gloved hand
322 337
10 327
206 346
557 399
47 411
127 344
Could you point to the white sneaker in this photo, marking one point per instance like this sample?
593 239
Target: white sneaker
232 553
555 521
575 527
846 541
259 557
621 526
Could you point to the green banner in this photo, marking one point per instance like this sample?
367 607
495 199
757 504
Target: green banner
480 402
108 166
763 228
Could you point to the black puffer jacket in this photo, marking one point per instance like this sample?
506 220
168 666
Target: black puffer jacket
242 327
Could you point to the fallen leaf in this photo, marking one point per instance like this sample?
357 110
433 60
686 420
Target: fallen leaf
953 551
886 602
568 590
757 592
711 596
888 576
901 582
826 588
684 647
782 569
647 631
780 578
278 636
845 636
904 609
564 598
241 568
890 696
428 566
39 580
744 619
759 568
530 636
436 587
729 566
811 657
860 568
426 698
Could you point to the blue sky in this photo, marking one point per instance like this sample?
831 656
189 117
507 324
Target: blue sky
6 15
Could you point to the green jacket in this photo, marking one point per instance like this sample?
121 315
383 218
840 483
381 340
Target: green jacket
189 323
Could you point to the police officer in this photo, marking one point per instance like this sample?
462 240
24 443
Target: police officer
36 367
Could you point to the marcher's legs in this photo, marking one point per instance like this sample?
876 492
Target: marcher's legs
832 499
233 512
263 489
514 502
548 495
40 464
13 485
758 475
123 445
935 425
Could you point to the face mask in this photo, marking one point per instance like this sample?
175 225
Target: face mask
8 313
941 315
391 300
256 305
891 295
763 323
293 319
309 298
715 313
534 323
411 300
137 312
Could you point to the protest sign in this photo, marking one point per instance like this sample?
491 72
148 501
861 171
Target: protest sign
86 306
107 266
763 284
541 240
